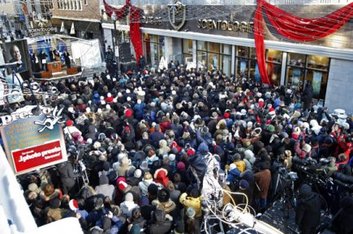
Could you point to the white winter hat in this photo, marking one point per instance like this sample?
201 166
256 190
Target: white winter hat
138 173
171 157
307 148
129 197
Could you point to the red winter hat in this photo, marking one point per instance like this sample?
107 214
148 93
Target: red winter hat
69 123
226 115
123 186
160 176
129 113
73 204
109 99
190 152
261 103
120 178
176 146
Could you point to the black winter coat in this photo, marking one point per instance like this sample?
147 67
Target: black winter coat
307 215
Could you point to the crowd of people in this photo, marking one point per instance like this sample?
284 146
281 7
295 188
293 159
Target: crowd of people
136 146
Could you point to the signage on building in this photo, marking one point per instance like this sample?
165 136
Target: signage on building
177 15
34 32
30 147
225 25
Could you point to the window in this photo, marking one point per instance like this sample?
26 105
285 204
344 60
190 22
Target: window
246 65
308 68
154 48
274 65
214 56
187 50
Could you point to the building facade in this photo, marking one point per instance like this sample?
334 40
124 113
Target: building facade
79 18
217 34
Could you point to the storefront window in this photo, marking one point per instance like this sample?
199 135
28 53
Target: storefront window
226 64
318 62
274 64
302 69
187 51
274 73
227 49
201 59
274 56
318 80
252 53
201 45
243 67
214 56
213 47
297 60
187 46
154 48
213 61
295 76
243 51
246 63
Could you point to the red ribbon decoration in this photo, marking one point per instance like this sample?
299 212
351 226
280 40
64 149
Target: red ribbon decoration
135 32
260 43
294 28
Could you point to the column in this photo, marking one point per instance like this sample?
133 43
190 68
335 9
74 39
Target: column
194 53
233 71
283 68
168 49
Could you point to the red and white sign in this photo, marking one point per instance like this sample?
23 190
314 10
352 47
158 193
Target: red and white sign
41 155
29 146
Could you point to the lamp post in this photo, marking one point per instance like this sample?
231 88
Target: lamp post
116 58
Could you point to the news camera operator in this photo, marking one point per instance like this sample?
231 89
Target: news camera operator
67 175
307 214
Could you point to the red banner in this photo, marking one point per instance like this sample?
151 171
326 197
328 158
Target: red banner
294 28
32 157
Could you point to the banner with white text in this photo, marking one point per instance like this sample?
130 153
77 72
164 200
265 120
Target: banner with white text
27 148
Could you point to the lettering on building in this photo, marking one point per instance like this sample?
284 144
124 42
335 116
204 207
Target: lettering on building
226 25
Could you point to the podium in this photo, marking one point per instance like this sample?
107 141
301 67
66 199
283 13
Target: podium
54 66
45 74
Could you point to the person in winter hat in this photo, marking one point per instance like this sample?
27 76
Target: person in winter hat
71 129
203 149
307 213
160 223
124 166
161 177
249 159
163 148
164 202
233 174
241 166
104 187
151 155
193 200
146 181
192 224
156 136
128 205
